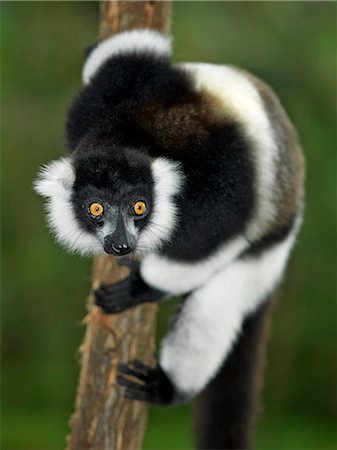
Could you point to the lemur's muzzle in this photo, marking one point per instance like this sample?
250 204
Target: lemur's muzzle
120 242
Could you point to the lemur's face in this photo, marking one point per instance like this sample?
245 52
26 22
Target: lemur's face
117 204
112 198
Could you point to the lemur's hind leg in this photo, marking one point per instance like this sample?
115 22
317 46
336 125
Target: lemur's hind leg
228 408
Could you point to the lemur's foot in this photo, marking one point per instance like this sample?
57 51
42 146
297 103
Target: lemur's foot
130 292
151 385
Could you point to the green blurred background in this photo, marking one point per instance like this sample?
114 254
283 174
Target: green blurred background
292 45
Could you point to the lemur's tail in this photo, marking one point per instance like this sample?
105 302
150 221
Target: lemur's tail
229 406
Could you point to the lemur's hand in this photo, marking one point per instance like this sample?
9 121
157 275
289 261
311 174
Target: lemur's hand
152 384
131 291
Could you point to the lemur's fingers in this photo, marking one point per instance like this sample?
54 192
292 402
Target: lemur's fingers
112 298
126 370
115 302
137 391
137 364
113 305
116 287
123 285
126 382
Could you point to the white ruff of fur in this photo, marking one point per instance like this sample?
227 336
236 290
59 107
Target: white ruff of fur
180 278
136 41
212 317
241 100
168 182
55 182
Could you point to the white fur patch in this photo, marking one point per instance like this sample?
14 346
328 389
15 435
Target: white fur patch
55 182
241 100
136 41
168 182
178 278
212 317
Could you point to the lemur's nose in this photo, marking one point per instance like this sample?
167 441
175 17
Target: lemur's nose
121 249
116 248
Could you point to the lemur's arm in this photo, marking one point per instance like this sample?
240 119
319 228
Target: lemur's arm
158 277
207 328
184 277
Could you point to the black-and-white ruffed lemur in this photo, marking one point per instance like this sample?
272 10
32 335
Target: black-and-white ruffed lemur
196 169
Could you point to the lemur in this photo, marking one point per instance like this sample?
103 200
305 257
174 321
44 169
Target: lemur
196 169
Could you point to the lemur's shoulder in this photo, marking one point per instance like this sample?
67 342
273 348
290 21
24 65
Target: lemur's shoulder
234 94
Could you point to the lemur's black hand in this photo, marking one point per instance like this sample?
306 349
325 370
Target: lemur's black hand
152 384
127 293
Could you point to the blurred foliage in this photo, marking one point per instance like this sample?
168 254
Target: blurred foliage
289 44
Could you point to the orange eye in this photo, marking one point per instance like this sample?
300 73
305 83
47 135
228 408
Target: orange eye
96 209
139 208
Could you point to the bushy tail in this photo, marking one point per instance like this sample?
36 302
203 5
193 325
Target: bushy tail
228 408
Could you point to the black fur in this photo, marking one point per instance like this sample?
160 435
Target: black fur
123 84
229 406
141 102
218 200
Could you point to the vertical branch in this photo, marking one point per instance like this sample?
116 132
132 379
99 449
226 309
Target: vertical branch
120 15
103 419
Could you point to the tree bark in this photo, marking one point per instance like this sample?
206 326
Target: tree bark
103 419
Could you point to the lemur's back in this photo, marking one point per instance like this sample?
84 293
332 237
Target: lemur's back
243 161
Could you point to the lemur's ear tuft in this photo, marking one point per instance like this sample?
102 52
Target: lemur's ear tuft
55 182
142 41
55 178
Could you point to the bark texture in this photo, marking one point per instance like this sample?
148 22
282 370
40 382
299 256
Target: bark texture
103 419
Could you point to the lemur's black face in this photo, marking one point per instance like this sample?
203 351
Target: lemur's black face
112 197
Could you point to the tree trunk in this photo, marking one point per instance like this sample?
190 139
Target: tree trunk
103 419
